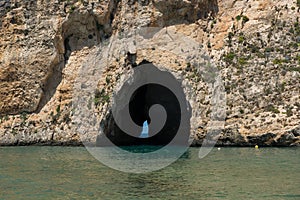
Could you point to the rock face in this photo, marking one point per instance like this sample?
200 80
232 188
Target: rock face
51 53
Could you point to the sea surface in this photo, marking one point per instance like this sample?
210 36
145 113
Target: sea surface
228 173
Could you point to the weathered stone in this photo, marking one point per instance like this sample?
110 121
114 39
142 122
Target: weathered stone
296 131
46 46
287 139
261 140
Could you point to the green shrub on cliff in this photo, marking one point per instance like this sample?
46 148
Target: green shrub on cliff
58 109
289 112
242 61
298 59
107 79
271 108
100 97
238 18
241 39
72 9
277 61
243 17
97 101
282 87
97 98
23 116
229 57
295 69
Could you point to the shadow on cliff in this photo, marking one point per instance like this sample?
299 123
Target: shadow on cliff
79 30
183 12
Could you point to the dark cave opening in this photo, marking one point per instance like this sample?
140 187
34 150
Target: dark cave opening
177 125
139 106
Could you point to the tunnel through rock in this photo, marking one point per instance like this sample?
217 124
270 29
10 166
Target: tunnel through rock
178 111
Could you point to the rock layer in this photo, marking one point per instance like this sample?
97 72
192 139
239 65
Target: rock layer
254 45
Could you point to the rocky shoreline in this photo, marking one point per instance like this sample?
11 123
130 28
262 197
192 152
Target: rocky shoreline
232 138
229 138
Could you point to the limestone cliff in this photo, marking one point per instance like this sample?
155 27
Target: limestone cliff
45 46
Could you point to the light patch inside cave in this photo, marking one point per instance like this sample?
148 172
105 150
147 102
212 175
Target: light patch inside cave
145 131
177 121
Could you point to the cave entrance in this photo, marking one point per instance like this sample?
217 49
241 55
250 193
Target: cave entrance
178 111
140 104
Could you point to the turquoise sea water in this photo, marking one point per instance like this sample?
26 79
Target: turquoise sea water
72 173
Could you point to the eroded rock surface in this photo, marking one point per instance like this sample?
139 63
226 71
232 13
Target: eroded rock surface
45 45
